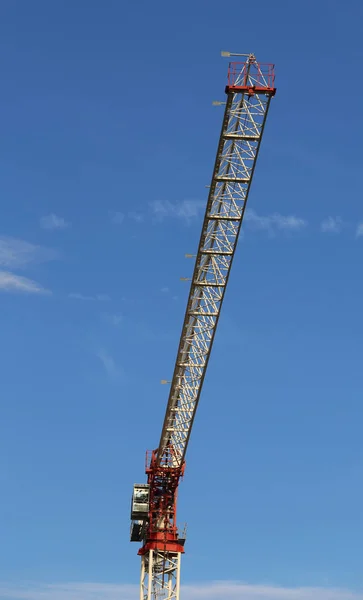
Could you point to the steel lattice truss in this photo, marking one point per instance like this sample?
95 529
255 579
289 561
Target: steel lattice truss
160 576
243 124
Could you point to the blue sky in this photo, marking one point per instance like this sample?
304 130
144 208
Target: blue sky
108 137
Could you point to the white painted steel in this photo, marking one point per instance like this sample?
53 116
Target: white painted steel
242 129
160 576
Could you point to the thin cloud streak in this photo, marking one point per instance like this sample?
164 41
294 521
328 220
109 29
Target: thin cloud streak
109 363
186 210
272 223
53 221
18 254
242 591
135 216
331 225
116 320
359 230
9 282
116 217
214 590
97 297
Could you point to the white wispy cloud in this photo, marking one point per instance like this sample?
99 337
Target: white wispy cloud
53 221
185 210
359 230
243 591
331 225
167 291
109 364
273 223
189 209
115 320
97 297
135 216
116 217
9 282
17 254
214 590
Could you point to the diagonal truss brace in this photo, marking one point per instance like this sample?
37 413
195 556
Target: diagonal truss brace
160 576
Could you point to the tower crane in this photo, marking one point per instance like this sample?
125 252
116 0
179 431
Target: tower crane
249 90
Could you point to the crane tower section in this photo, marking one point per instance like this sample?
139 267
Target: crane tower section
249 91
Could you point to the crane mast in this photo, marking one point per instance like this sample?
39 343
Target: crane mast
249 91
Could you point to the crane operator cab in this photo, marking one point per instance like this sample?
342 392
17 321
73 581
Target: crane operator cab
139 510
140 501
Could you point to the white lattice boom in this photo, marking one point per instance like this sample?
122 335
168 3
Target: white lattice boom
243 124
